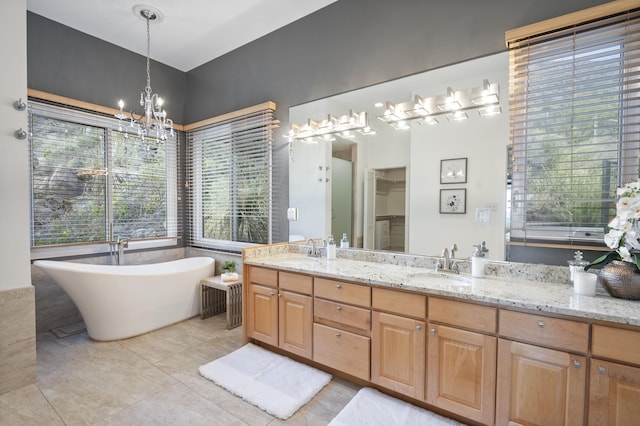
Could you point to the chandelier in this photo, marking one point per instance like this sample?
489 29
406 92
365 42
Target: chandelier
154 122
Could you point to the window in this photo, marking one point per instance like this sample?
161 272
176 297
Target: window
575 127
93 184
229 178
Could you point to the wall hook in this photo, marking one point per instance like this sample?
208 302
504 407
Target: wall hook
20 105
20 134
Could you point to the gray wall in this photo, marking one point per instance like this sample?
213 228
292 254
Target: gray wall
347 45
67 62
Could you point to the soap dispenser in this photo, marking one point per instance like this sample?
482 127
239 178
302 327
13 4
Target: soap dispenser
344 242
331 248
576 264
477 260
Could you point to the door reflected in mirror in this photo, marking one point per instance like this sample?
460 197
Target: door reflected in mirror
384 209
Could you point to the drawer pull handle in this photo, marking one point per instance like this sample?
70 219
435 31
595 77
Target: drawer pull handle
602 370
540 324
338 308
577 364
338 286
433 331
271 293
418 327
337 334
279 294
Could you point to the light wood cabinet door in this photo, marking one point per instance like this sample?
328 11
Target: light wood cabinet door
461 372
398 354
344 351
295 323
614 394
539 386
263 314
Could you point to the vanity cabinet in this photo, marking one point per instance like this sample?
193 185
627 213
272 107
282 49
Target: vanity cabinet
614 388
262 317
295 313
398 341
541 379
342 326
281 309
461 358
483 362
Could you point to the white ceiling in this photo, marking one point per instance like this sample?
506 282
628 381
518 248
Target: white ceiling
190 33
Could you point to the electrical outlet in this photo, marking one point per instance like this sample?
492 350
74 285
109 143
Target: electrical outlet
292 213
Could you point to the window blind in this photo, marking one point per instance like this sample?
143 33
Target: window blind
229 177
92 184
575 128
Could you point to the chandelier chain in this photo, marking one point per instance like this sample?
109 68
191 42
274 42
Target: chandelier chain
148 88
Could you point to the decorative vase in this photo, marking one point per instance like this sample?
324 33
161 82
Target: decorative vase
229 276
621 279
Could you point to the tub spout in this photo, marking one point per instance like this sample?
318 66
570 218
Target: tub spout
123 243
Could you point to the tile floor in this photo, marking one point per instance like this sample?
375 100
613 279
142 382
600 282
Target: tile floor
151 379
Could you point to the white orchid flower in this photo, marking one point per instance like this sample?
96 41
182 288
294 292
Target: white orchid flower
625 254
612 238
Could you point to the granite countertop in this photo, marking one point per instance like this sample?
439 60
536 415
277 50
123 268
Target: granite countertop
510 292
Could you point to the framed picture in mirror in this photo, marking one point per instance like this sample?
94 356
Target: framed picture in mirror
453 170
453 201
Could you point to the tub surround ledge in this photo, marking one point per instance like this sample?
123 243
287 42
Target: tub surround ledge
516 285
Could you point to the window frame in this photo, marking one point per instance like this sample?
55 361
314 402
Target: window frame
82 116
195 171
520 230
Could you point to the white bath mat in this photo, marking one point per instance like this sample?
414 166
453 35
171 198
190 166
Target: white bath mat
370 407
274 383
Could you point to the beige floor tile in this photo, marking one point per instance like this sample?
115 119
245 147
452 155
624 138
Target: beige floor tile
107 379
148 380
27 406
178 405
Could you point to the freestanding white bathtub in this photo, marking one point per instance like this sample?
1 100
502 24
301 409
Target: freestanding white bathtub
117 302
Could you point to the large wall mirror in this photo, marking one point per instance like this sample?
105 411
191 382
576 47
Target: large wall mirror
386 191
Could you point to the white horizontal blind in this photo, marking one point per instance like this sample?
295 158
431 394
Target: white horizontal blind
92 184
229 169
575 128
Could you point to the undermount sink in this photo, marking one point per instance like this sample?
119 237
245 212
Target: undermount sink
430 275
301 260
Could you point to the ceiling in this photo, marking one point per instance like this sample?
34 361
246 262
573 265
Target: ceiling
189 33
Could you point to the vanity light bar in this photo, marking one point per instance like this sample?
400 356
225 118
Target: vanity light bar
344 126
453 105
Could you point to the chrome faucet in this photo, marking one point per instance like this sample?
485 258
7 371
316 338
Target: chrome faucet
313 251
123 243
446 264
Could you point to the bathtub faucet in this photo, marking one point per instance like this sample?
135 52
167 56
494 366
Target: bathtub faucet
123 243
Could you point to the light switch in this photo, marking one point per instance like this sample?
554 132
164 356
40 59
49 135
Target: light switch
292 213
483 215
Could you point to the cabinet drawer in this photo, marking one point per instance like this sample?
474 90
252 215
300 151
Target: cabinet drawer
296 282
344 351
339 291
463 314
553 332
263 276
398 302
616 343
342 314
